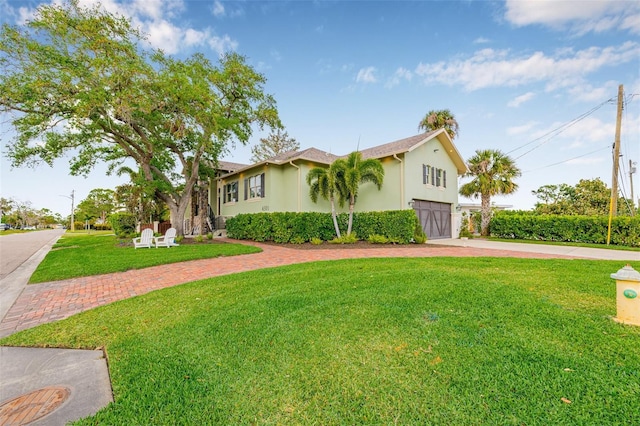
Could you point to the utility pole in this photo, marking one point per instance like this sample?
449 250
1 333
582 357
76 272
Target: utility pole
632 170
73 223
613 205
73 226
616 156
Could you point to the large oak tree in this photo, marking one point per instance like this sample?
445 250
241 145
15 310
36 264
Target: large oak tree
79 83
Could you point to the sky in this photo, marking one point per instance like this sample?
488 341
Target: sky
537 80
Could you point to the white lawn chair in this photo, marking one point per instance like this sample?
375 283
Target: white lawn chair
145 239
168 239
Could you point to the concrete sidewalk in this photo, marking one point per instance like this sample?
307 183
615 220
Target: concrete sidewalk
559 250
51 386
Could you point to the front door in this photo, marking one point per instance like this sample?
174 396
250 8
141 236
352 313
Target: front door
435 218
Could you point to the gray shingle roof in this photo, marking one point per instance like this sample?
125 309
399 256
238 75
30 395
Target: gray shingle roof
397 147
228 166
311 154
380 151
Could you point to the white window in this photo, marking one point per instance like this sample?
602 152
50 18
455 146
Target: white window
231 192
254 187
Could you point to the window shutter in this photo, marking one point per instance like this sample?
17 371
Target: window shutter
262 185
246 188
444 178
424 174
433 176
224 194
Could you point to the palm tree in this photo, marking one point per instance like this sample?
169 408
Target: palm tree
323 182
493 174
440 119
354 171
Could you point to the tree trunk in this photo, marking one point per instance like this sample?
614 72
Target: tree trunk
334 217
202 207
349 227
485 210
177 211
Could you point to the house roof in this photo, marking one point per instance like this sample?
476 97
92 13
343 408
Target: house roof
397 147
228 166
409 144
311 154
386 150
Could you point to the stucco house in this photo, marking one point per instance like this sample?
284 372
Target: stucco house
421 172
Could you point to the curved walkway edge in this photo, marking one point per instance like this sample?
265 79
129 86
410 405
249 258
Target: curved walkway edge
52 301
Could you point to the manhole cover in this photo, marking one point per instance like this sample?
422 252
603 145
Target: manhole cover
32 406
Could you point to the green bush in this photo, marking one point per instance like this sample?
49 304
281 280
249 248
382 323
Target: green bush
398 226
345 239
123 224
198 238
316 241
625 230
377 239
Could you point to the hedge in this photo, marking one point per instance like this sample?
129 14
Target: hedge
123 224
625 230
398 226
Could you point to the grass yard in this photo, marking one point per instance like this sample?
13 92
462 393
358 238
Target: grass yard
80 255
441 341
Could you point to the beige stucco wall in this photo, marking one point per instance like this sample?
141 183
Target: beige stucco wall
286 189
427 154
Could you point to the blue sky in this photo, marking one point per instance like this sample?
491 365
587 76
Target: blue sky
535 79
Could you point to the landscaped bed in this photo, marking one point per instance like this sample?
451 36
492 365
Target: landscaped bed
378 341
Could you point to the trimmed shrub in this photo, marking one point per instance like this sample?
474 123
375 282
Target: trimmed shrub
398 226
377 239
123 224
345 239
625 230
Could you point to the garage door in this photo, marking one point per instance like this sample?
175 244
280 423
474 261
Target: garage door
435 218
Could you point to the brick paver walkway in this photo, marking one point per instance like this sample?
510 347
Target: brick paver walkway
52 301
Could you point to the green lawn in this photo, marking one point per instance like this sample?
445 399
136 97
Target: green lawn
442 341
80 255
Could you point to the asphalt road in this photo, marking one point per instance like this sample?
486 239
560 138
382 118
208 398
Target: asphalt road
20 254
15 249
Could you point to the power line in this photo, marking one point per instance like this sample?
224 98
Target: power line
567 160
551 134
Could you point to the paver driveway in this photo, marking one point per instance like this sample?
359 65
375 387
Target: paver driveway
47 302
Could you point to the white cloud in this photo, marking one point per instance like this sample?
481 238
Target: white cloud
153 18
580 17
165 36
366 75
481 40
518 130
24 14
222 44
518 100
218 8
400 75
587 93
496 68
275 55
194 37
